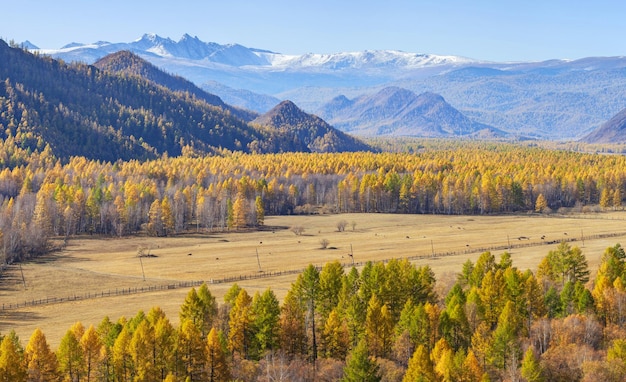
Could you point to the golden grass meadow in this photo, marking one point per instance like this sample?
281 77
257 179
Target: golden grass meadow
93 266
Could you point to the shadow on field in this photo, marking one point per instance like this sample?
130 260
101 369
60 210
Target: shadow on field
56 256
10 319
8 279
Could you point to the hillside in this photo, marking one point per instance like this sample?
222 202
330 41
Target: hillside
613 131
79 110
308 132
395 111
125 108
128 63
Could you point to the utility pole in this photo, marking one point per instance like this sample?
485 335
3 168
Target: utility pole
582 236
142 272
23 279
258 260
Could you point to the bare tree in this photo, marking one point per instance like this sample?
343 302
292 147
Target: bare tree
341 225
297 229
324 243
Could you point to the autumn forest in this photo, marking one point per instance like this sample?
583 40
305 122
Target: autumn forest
384 321
155 162
46 198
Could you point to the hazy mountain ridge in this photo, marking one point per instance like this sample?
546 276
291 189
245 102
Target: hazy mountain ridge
552 103
612 131
396 111
260 103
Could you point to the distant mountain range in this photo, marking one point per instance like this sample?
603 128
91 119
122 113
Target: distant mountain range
192 48
400 112
125 108
555 99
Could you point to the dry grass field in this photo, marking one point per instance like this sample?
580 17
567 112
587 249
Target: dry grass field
95 266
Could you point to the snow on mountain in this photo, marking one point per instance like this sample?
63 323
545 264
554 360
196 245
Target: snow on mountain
29 45
192 48
364 60
263 71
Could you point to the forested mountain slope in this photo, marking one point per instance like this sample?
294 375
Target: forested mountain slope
80 110
129 63
309 131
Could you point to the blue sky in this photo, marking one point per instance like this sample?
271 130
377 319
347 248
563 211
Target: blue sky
489 30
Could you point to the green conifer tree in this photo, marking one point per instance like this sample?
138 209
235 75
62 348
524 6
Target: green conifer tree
359 366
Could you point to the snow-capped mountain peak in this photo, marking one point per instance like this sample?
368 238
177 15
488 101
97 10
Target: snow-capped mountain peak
29 45
153 43
192 48
365 60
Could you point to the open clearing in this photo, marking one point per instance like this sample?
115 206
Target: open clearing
95 266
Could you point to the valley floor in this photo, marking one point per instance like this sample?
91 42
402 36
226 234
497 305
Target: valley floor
90 267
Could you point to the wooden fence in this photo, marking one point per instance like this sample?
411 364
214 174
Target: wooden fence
260 274
108 293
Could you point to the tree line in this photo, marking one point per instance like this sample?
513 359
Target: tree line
41 197
384 322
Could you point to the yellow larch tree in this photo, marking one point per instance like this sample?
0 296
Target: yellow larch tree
192 352
541 203
239 333
240 211
217 364
142 352
41 362
92 352
335 337
12 367
121 359
167 216
420 367
70 356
